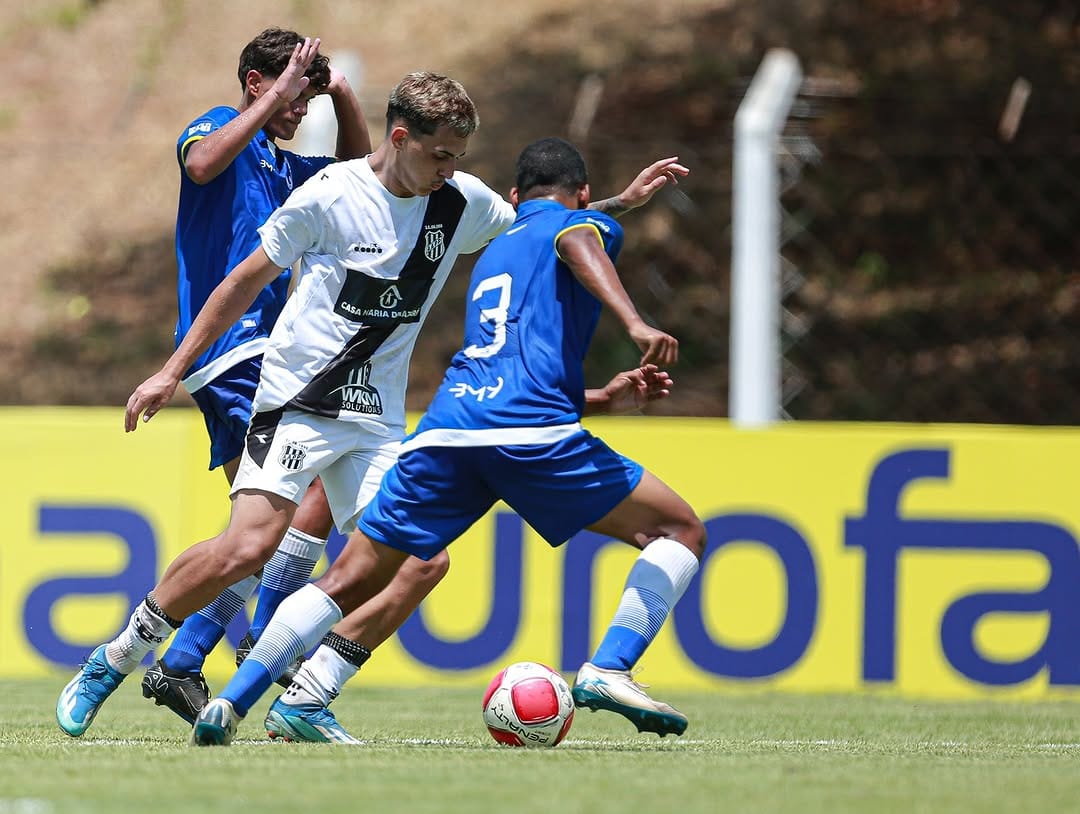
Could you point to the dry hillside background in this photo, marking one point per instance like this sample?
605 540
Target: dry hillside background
932 261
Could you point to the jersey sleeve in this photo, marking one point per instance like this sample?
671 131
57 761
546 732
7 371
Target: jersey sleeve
489 214
298 225
607 230
201 127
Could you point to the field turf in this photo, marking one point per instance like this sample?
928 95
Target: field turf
426 751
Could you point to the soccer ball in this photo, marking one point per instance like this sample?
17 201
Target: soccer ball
528 704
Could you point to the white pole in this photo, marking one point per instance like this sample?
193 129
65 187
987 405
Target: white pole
755 262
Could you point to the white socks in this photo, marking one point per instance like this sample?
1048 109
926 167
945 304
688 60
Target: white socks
320 678
145 631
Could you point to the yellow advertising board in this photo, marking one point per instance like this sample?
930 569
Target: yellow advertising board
928 561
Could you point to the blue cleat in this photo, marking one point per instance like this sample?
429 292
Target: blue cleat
216 724
616 691
305 722
83 696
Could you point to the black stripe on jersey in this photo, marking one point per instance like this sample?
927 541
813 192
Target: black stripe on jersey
380 306
260 434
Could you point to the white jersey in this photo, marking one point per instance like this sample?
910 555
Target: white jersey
369 266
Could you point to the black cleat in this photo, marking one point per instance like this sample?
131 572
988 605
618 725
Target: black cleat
184 693
285 679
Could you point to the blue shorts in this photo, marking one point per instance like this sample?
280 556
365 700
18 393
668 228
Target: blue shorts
225 403
432 495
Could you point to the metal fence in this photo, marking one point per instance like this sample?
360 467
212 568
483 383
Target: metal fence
932 264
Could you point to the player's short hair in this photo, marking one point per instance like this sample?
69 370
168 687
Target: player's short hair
423 101
269 54
550 165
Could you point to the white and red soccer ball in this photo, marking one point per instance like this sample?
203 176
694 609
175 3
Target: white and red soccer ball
528 704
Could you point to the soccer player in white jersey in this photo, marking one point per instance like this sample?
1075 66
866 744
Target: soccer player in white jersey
234 172
372 241
505 425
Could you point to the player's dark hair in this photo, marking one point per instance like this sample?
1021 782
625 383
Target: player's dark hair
423 100
550 165
269 54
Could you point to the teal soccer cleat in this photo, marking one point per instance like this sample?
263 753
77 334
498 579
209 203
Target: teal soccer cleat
305 722
216 724
616 691
83 696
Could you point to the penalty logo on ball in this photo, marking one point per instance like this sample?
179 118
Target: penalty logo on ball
528 704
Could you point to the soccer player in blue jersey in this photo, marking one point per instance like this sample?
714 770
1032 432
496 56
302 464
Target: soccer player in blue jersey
505 424
373 240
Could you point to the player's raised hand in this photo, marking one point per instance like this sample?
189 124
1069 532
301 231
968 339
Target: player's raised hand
632 389
651 179
338 82
656 346
148 398
292 81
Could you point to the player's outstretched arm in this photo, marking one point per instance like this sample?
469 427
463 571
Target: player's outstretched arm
208 157
584 254
223 308
641 190
629 391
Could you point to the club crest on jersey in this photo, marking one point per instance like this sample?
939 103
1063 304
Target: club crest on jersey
292 456
434 244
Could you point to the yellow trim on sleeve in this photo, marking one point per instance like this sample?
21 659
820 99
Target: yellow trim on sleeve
573 226
188 143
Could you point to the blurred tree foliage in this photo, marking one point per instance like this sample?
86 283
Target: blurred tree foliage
936 257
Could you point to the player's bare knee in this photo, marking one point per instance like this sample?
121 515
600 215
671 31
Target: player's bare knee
348 591
248 552
691 533
351 579
431 572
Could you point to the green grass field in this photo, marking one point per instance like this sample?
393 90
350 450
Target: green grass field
426 751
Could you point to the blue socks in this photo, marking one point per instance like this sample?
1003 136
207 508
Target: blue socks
204 629
655 583
299 624
288 570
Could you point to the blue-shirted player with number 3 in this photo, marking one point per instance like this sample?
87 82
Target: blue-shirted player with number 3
505 425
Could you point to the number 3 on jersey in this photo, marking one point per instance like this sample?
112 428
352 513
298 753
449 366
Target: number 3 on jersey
496 315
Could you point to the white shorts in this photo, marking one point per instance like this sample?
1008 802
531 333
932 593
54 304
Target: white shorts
284 451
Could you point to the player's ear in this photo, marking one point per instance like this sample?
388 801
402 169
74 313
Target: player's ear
584 196
254 83
514 198
399 134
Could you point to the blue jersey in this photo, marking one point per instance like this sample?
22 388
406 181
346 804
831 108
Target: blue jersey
217 227
528 325
505 423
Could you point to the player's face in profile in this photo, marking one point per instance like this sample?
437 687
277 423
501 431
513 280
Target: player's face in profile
286 119
428 162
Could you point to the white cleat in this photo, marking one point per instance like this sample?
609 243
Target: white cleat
616 691
216 724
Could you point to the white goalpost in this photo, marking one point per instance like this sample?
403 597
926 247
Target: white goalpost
754 383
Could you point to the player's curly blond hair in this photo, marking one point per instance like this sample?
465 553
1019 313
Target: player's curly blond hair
423 101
